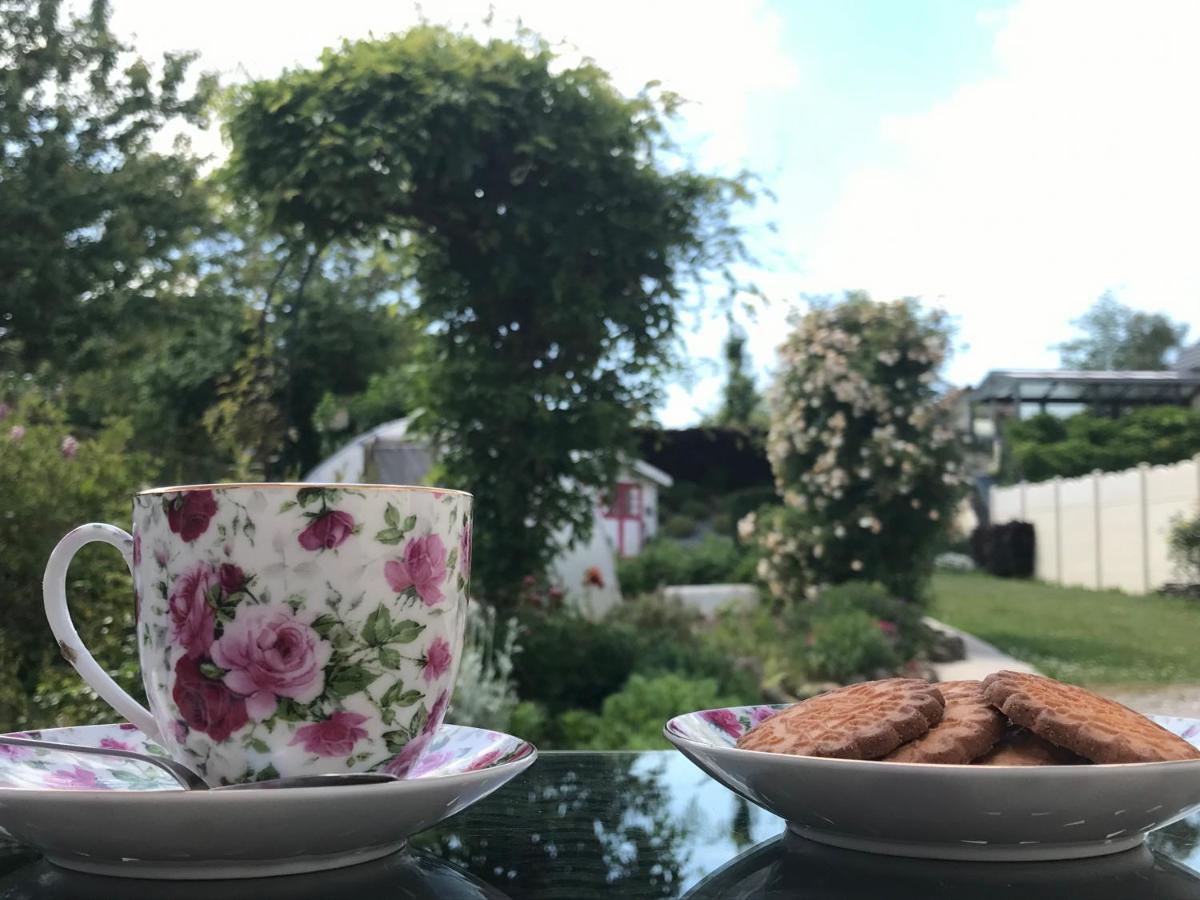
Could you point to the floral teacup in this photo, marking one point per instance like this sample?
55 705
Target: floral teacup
286 629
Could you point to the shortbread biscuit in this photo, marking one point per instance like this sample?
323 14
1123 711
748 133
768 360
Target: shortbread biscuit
1092 726
862 721
1021 747
969 728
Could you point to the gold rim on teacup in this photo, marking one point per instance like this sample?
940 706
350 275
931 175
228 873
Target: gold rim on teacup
316 485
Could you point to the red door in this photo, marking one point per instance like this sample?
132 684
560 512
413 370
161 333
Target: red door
626 512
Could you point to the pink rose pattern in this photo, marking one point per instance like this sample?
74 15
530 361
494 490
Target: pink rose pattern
720 726
437 659
77 778
725 720
189 512
328 531
192 616
336 736
243 661
422 569
268 653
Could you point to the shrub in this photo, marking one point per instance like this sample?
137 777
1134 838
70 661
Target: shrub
530 720
679 526
633 718
713 560
861 448
850 645
1006 550
1185 548
903 621
668 639
484 693
1045 445
567 661
50 484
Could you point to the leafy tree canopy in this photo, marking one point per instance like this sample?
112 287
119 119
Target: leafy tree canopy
551 229
741 404
1116 337
1045 445
91 215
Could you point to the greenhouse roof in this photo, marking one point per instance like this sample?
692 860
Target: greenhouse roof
1064 386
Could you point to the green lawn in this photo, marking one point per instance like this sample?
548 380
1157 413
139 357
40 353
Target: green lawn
1088 637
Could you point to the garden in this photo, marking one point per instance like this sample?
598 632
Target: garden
497 244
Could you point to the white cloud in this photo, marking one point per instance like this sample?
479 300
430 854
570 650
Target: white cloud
1022 197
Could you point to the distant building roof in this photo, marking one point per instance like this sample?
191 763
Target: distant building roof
1189 359
1066 386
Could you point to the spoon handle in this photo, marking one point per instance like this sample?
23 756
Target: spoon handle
181 773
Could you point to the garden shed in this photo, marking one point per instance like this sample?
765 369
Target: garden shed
389 454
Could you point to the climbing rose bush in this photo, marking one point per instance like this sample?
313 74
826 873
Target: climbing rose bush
862 451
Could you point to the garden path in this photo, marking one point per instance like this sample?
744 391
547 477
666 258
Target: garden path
981 657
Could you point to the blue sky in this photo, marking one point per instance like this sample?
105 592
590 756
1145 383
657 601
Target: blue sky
1008 161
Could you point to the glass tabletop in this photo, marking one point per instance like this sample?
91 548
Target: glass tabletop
646 825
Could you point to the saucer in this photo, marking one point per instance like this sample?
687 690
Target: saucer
945 811
115 816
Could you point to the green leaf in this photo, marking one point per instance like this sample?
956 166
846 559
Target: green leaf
418 721
378 627
289 710
407 698
269 773
248 530
324 624
211 670
391 515
452 559
351 680
258 744
389 536
406 632
409 524
396 740
286 505
389 658
305 496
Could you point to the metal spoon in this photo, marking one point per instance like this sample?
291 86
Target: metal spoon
193 782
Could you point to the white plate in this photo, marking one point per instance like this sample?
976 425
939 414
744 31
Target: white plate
941 811
114 816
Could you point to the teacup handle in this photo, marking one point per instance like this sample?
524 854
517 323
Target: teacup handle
54 592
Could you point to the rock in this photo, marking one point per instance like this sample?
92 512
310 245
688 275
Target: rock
946 647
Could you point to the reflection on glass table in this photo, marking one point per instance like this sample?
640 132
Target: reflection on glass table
648 825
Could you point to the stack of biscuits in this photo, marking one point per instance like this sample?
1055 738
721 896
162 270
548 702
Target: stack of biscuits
1008 719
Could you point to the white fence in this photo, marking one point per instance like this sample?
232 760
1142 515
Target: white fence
1105 530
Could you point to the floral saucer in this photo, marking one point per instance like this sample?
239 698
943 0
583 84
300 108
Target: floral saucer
944 811
117 816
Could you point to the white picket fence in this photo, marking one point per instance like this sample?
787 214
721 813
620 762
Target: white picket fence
1105 530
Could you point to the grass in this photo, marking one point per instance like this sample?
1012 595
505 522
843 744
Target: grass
1088 637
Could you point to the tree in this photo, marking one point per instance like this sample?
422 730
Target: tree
551 229
1045 445
741 405
862 450
91 216
1119 338
312 323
